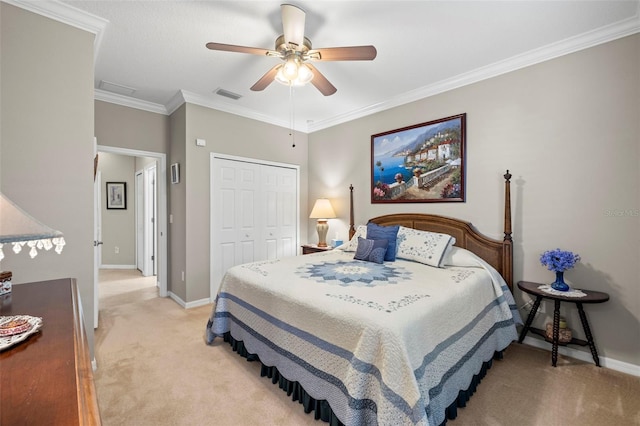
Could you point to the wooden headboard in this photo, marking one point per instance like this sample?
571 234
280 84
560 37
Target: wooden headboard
498 254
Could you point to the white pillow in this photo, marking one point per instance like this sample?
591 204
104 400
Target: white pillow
425 247
352 244
460 257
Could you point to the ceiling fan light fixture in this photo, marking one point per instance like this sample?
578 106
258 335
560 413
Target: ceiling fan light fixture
290 69
298 77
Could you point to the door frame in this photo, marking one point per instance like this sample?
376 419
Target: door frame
139 218
161 218
213 286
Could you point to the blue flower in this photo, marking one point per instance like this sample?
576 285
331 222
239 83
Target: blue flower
559 260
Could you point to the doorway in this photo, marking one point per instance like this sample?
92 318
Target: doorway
155 177
146 223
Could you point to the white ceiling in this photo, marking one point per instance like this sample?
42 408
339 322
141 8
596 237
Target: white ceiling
158 49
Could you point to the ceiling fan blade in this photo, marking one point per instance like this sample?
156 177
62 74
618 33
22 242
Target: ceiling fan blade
293 19
320 81
240 49
351 53
266 79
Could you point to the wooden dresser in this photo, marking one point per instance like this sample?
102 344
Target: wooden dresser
47 379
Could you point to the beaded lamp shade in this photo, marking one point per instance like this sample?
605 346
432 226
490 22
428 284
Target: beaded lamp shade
20 229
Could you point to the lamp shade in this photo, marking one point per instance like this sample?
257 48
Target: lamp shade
19 228
322 210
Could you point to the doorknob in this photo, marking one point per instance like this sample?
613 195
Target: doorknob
97 243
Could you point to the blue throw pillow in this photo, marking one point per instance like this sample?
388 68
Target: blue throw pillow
371 250
389 233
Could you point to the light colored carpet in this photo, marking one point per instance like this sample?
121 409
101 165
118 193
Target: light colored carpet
154 368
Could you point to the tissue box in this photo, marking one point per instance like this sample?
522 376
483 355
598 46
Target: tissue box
335 243
5 282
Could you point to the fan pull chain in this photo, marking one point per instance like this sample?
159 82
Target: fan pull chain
291 117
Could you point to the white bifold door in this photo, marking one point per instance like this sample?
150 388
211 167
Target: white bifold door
254 213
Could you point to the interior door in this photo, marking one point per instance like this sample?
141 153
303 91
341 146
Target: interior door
139 209
234 214
150 221
279 186
97 243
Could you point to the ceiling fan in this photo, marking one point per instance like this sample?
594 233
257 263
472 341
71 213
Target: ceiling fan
296 52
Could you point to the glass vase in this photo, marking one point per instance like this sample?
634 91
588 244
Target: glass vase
559 283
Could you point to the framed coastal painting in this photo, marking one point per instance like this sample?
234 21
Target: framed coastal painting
423 163
117 195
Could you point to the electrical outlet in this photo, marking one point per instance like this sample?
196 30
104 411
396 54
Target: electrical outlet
117 249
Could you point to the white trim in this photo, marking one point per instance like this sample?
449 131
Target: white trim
613 364
188 305
161 180
105 266
574 44
114 98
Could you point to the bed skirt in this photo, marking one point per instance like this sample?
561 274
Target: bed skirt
322 410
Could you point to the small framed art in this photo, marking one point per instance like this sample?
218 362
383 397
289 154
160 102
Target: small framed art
117 195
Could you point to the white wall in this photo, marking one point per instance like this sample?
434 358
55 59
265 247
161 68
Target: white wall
568 129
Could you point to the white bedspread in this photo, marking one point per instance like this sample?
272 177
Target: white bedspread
383 344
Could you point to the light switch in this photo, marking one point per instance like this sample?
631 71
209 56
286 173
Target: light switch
201 142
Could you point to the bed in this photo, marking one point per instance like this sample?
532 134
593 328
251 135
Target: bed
373 341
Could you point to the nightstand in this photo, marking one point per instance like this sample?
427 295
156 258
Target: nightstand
590 297
312 248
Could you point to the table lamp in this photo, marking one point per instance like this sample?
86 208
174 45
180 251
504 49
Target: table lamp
19 228
322 211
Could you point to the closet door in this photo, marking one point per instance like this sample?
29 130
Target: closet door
279 186
254 214
235 193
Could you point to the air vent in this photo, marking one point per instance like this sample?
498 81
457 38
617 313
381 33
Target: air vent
227 94
116 88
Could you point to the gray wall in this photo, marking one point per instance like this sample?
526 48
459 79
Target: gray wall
118 225
568 129
123 127
227 134
47 142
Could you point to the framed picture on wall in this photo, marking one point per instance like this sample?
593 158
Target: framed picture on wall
420 163
175 173
116 195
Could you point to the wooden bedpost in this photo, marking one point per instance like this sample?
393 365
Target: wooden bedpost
352 229
507 246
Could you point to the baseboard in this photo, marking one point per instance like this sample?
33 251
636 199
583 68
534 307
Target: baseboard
117 266
177 299
188 305
613 364
197 303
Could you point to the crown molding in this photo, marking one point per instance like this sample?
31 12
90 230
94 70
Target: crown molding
77 18
69 15
205 101
602 35
114 98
